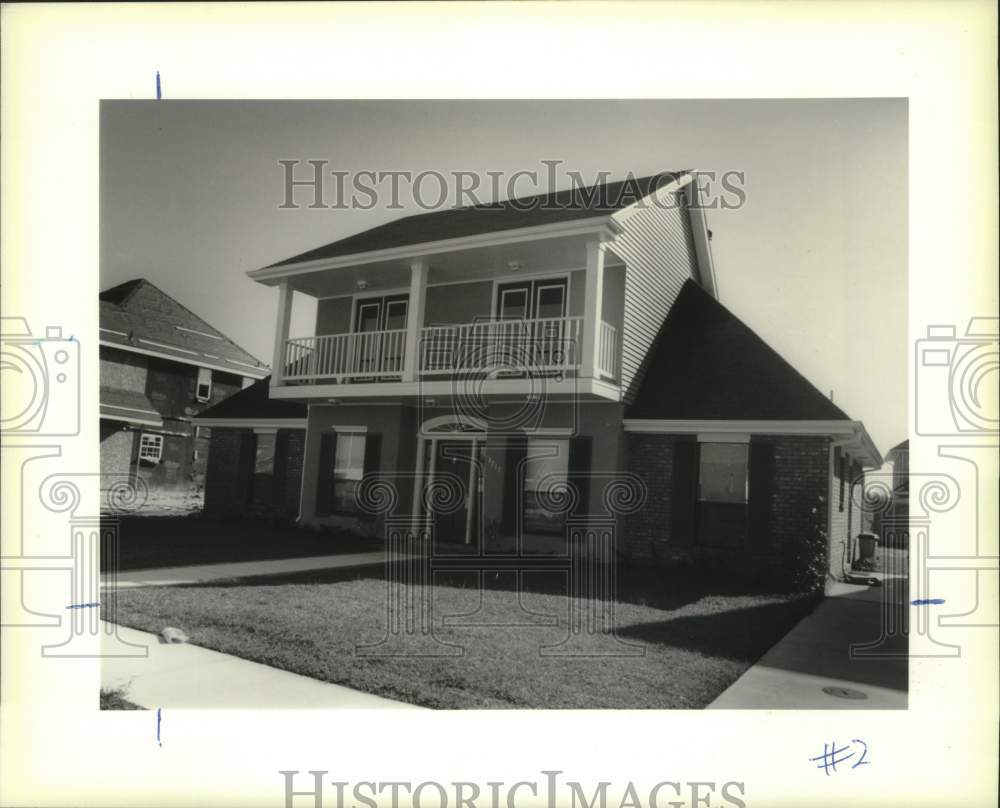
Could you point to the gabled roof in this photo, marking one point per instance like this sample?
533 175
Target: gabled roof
138 316
708 364
601 199
252 405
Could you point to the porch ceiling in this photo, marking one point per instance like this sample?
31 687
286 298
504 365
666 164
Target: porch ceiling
469 264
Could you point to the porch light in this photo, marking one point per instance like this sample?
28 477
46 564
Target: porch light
361 284
515 266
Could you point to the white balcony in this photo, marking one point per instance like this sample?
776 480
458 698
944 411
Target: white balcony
496 348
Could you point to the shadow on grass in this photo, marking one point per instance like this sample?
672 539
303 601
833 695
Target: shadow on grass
739 634
656 589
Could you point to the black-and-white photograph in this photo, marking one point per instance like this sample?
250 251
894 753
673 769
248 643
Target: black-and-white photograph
504 404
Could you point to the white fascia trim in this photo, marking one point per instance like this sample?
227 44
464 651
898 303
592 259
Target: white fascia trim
252 423
130 409
853 431
253 372
602 225
393 391
106 416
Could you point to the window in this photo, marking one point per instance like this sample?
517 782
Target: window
722 494
262 488
348 469
722 472
204 390
547 463
150 447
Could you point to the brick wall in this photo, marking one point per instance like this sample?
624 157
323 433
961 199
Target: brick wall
228 479
116 448
799 480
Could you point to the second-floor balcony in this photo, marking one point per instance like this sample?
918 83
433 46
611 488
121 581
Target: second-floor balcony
494 348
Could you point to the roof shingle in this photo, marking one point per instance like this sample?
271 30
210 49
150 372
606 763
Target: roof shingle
708 364
530 211
138 315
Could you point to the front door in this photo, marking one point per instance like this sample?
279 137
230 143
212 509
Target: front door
457 458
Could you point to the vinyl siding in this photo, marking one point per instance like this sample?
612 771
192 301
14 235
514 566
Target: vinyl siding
657 247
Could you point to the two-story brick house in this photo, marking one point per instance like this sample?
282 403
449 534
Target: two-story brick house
529 353
161 365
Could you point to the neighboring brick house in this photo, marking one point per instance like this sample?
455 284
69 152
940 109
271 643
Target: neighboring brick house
894 524
541 345
160 366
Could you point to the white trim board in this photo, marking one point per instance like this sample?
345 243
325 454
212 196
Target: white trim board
252 423
847 429
597 224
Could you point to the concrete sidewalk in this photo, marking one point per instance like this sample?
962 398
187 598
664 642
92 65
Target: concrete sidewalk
816 655
186 676
172 576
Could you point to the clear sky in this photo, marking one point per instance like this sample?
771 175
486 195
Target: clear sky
815 261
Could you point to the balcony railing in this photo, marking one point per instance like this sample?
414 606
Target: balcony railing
501 348
346 357
607 350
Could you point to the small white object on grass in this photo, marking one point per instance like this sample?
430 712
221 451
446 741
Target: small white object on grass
171 634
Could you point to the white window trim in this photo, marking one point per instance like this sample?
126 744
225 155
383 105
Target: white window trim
198 385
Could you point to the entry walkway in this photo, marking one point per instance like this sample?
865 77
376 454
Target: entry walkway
816 654
172 576
186 676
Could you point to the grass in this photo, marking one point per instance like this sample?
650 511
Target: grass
149 542
115 700
693 637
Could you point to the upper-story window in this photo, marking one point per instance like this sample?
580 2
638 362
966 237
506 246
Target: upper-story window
537 299
203 392
386 313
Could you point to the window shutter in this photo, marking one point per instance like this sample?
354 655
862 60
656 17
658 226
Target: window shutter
517 450
684 496
245 467
324 485
579 471
373 453
761 486
280 467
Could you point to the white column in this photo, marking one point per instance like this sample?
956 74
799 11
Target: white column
415 318
281 332
593 296
418 478
473 500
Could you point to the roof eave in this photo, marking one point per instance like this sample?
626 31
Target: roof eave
603 226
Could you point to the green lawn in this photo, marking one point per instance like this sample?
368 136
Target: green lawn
696 637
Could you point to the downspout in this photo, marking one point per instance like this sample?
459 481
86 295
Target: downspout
834 445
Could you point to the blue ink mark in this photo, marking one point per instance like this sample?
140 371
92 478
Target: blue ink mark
83 605
158 727
832 755
159 94
927 601
72 338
